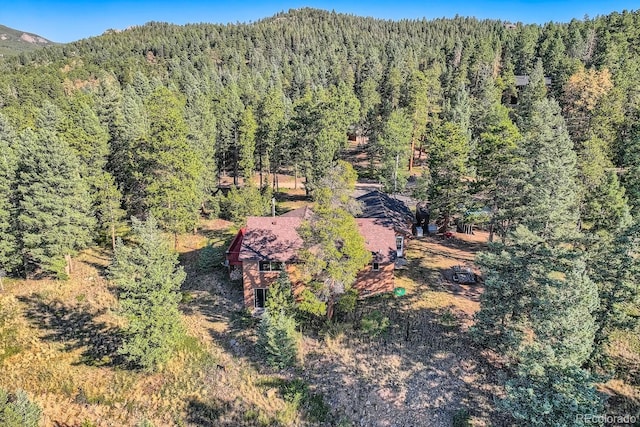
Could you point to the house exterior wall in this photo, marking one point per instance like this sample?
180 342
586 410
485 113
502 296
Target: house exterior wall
253 278
368 282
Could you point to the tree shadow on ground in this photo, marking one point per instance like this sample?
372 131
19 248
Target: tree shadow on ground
205 414
288 197
220 300
221 413
224 305
422 367
76 327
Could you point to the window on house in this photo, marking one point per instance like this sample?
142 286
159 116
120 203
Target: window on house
260 297
376 266
270 266
399 242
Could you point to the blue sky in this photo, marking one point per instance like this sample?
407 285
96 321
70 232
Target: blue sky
69 20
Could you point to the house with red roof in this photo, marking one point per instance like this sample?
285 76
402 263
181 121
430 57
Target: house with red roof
268 244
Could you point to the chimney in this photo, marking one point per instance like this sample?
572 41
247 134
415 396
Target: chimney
273 206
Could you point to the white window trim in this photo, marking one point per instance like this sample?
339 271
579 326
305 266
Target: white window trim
270 270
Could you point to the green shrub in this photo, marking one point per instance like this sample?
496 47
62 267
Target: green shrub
374 324
186 297
210 258
295 391
448 318
240 203
310 304
461 418
551 396
298 394
317 408
17 411
278 339
347 302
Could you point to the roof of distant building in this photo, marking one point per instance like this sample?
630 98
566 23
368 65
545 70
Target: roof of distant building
524 80
387 211
304 212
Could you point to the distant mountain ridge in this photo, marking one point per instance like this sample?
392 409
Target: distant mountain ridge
14 41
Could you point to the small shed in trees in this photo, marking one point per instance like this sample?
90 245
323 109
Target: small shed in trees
511 98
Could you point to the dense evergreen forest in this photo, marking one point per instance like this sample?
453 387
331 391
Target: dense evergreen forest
147 121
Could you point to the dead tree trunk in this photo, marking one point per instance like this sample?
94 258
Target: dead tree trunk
68 268
413 147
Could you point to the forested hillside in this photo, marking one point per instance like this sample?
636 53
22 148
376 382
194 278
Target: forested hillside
149 120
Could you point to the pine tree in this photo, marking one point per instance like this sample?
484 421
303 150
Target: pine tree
82 131
393 145
631 177
239 203
247 141
614 266
495 158
269 141
277 335
201 122
563 306
318 130
278 338
228 112
552 396
280 299
533 93
336 188
9 258
53 208
538 309
448 157
552 207
148 280
172 168
126 158
606 207
423 99
333 252
109 208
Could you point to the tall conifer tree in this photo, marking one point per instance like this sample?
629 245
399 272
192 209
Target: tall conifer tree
172 168
9 259
54 207
148 279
